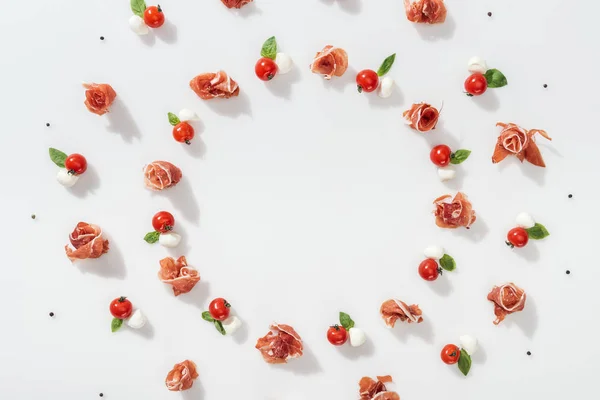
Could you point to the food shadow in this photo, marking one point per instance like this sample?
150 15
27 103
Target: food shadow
307 364
282 85
353 353
167 33
87 183
433 32
526 320
476 232
423 330
120 121
147 331
395 100
349 6
231 107
339 83
108 265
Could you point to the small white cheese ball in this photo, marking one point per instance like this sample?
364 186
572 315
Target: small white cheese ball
187 115
138 25
386 87
284 63
469 343
137 320
66 179
525 220
357 337
435 252
170 239
446 173
477 64
231 324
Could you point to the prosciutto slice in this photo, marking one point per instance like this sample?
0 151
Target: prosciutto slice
210 85
507 299
520 142
178 274
393 310
159 175
182 376
87 241
425 11
280 344
331 61
421 117
370 389
454 212
235 3
99 97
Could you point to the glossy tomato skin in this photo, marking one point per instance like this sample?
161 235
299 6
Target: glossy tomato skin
154 17
429 269
163 221
219 309
76 164
265 69
440 155
517 237
183 132
450 354
476 84
121 308
337 335
367 80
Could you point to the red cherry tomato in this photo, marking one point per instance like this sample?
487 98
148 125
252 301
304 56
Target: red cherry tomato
440 155
163 221
121 308
517 237
76 164
183 132
219 309
450 354
265 69
337 335
429 269
367 80
476 84
154 17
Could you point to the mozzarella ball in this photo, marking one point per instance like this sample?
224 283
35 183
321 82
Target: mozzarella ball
477 64
435 252
284 63
447 173
357 337
525 220
138 25
469 343
170 239
137 320
187 115
64 178
231 324
386 87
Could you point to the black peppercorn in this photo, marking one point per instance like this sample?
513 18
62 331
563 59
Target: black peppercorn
528 353
490 14
51 314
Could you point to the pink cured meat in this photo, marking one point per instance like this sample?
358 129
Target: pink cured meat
159 175
280 344
87 241
178 274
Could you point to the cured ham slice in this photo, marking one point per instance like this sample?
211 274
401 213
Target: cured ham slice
210 85
425 11
507 299
393 310
99 97
235 3
331 61
178 274
514 140
454 212
280 344
370 389
87 241
421 117
182 376
159 175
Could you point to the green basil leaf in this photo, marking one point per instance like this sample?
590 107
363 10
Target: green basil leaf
447 263
57 157
207 317
269 48
173 119
138 7
459 156
152 237
220 328
495 78
116 324
386 65
346 321
538 231
464 362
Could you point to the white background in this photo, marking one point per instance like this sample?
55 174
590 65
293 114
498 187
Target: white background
300 198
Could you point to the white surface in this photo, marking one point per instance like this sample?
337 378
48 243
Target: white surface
294 225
